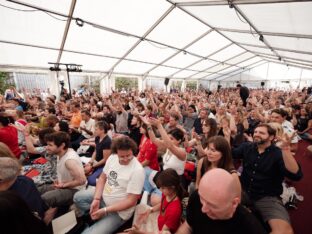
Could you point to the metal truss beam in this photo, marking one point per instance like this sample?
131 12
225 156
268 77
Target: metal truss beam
274 34
277 48
237 2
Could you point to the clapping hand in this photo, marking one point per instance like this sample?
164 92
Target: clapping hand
155 122
285 140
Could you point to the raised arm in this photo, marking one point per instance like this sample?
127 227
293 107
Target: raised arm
151 134
177 151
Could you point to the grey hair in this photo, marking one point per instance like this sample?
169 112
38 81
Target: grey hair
9 169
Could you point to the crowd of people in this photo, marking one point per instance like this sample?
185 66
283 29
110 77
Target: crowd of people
225 152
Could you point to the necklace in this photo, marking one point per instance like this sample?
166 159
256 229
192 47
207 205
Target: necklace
163 208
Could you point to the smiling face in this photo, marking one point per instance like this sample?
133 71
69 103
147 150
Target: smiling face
277 118
262 136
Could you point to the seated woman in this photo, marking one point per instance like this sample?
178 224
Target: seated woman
147 150
170 207
102 151
175 155
209 127
218 155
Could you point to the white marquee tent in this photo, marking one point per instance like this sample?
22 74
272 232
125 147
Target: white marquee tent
179 39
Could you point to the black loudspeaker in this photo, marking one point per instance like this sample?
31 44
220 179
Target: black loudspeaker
219 87
262 83
167 81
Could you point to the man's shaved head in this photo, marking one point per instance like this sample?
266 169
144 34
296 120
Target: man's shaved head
219 194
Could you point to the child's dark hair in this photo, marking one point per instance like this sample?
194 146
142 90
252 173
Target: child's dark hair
170 178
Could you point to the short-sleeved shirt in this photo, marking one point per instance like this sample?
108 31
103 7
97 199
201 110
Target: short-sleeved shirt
121 181
242 221
90 125
122 122
171 217
75 120
148 151
105 144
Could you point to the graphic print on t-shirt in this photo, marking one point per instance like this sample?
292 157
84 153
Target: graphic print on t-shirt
112 179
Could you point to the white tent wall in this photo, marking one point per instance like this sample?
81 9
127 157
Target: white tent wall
274 76
178 39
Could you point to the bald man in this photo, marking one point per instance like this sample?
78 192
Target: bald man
215 208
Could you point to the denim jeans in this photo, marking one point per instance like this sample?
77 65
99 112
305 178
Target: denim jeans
106 225
149 185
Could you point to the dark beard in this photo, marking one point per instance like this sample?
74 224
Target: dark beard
119 112
260 142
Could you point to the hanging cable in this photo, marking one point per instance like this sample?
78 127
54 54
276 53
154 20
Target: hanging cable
12 8
54 16
16 9
159 47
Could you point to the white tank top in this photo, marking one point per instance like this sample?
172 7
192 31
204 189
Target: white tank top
63 174
172 161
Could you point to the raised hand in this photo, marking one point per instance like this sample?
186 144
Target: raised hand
155 122
145 120
285 140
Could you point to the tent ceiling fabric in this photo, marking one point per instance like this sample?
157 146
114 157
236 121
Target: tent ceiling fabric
202 39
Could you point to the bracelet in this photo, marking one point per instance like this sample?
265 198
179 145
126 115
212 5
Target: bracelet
105 210
96 198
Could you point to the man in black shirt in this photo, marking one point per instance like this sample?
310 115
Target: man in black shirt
215 208
264 168
203 114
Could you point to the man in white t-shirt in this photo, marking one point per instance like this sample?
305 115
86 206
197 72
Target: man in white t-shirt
117 190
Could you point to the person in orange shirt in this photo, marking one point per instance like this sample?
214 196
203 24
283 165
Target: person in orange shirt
76 116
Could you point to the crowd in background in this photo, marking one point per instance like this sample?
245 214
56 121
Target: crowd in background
167 144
